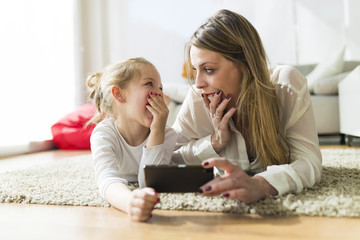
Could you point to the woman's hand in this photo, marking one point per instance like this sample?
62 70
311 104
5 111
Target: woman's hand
160 112
222 135
235 183
141 204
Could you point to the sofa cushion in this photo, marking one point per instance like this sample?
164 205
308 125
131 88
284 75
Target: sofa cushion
329 85
176 91
330 66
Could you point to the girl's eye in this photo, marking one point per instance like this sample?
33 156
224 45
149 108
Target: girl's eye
149 83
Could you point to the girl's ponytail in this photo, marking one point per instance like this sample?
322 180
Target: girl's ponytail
94 83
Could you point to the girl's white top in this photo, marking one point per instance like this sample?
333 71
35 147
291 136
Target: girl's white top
194 126
116 161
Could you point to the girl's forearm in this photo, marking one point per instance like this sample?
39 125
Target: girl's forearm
156 138
118 195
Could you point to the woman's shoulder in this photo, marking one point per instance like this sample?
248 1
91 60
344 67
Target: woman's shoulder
287 76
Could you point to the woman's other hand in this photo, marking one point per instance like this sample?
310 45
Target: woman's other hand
217 107
141 204
235 183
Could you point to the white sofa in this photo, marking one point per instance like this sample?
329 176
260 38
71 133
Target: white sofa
326 106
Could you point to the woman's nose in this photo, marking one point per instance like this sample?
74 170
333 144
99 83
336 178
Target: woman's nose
199 81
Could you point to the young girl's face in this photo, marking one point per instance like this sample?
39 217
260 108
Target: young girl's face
215 72
138 91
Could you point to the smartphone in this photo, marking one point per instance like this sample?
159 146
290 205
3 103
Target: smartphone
177 178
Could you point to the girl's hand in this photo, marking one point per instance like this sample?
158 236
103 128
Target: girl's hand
222 135
160 112
235 183
141 204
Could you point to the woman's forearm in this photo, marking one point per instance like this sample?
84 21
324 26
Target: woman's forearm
267 188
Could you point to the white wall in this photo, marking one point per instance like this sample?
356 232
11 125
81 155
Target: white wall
294 32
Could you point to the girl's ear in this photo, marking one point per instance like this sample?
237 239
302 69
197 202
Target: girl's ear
118 94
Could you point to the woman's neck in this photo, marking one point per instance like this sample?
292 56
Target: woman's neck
133 132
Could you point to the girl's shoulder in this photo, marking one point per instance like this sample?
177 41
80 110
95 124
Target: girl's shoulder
106 123
105 133
106 126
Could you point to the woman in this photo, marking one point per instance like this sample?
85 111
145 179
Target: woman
253 122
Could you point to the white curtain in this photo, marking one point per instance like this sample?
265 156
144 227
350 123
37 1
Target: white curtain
37 62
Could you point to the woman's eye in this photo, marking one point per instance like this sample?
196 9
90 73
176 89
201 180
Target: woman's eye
208 70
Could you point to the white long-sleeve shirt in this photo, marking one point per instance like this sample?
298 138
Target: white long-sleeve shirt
116 161
195 127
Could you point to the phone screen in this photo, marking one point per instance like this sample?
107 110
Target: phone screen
177 178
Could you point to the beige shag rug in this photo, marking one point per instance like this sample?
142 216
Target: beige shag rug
71 182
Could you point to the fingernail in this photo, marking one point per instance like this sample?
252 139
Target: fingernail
158 199
151 93
205 163
202 95
208 188
155 192
148 97
156 94
200 191
226 195
148 104
228 96
159 94
236 106
218 92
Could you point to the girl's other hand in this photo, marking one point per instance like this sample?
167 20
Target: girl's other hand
160 112
142 203
217 106
158 109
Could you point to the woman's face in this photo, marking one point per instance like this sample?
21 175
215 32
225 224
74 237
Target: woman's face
213 72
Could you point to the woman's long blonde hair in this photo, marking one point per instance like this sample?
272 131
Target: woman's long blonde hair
101 83
257 116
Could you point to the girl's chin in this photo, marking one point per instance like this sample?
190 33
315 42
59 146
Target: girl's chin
149 119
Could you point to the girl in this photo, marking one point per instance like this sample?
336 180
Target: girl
253 120
130 133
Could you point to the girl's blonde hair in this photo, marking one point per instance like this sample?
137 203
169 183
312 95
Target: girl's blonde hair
257 115
101 83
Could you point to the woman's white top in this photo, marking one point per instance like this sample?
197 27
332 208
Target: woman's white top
116 161
194 127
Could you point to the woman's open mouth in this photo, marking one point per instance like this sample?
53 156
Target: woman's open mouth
209 94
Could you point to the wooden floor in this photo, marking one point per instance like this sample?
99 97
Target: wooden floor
24 221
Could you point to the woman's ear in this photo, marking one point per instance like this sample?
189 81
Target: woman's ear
118 94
